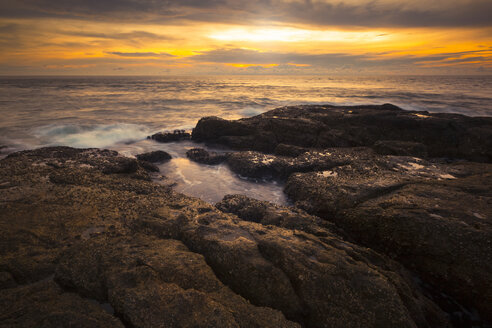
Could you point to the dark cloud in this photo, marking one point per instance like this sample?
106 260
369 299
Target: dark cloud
371 13
252 57
140 35
140 54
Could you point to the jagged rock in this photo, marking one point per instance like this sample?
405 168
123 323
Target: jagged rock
433 217
6 280
176 135
443 135
163 259
289 150
305 227
158 156
266 213
155 282
404 148
203 156
44 304
149 167
258 165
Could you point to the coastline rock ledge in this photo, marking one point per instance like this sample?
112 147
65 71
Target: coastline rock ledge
377 235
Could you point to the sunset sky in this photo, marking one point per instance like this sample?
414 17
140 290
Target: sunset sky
130 37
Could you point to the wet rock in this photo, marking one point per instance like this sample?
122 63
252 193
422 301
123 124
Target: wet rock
212 127
312 126
44 304
6 280
266 213
159 258
289 150
258 165
157 156
154 282
176 135
404 148
121 165
149 167
433 217
203 156
307 262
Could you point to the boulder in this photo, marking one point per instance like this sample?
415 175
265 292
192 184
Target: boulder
203 156
317 126
158 156
176 135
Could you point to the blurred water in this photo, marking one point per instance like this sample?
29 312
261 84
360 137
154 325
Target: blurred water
119 112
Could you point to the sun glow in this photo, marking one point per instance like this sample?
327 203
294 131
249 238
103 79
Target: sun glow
288 34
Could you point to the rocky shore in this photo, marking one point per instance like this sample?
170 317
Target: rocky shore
391 227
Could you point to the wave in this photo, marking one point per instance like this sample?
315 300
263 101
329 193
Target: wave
86 136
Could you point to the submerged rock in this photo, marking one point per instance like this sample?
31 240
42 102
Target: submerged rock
159 258
158 156
203 156
176 135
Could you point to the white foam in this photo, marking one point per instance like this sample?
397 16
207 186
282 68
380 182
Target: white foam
86 136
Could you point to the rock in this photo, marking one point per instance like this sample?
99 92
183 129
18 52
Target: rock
434 218
6 280
44 304
121 165
149 167
212 127
176 135
203 156
404 148
159 258
258 165
158 283
266 213
313 126
431 215
289 150
157 156
305 275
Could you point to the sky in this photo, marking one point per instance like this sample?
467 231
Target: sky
295 37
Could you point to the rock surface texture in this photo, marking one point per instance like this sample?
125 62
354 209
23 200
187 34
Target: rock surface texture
386 128
430 208
392 219
88 240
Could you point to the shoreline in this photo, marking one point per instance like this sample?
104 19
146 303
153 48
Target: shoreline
365 182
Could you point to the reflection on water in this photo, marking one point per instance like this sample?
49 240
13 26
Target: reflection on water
208 182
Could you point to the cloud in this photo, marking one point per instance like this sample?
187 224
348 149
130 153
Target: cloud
335 60
140 54
364 13
140 35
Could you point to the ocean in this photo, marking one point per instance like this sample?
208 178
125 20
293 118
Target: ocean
120 112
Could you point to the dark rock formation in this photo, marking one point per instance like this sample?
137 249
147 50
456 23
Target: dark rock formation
441 135
176 135
431 215
157 156
45 304
161 259
434 218
203 156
